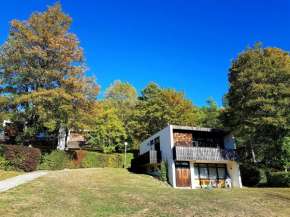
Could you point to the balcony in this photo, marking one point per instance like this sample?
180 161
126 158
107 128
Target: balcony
204 153
148 158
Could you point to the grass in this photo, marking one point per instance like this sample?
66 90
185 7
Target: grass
8 174
116 192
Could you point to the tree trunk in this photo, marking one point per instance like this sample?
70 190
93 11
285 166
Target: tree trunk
61 138
253 156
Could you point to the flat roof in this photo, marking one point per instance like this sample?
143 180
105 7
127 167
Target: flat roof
202 129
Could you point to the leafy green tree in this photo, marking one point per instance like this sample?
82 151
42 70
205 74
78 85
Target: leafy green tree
42 75
123 97
157 107
108 131
259 100
209 115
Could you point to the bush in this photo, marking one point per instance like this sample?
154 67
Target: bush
22 157
252 176
90 160
163 172
56 160
3 162
79 157
278 179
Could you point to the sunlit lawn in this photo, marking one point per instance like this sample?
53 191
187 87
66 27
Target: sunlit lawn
116 192
8 174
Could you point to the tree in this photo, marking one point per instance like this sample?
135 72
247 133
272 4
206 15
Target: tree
42 75
118 107
159 107
209 115
259 100
108 131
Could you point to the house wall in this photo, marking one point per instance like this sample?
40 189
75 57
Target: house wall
234 171
229 142
166 145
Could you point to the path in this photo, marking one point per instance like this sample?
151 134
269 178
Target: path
19 180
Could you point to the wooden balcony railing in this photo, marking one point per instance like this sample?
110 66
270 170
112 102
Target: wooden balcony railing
204 153
150 157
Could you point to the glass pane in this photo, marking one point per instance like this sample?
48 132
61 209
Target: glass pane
196 172
202 165
203 173
212 165
222 173
212 173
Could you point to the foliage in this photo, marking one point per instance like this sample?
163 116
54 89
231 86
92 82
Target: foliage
22 157
279 179
91 160
209 115
253 176
108 130
42 76
113 124
79 157
94 159
258 111
3 162
158 107
56 160
164 171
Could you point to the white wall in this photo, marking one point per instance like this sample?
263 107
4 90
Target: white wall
234 171
229 141
166 145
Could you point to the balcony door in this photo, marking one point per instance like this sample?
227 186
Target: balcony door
182 173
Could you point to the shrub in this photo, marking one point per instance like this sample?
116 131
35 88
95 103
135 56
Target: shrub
278 179
56 160
252 176
129 157
163 172
79 157
90 160
3 162
22 157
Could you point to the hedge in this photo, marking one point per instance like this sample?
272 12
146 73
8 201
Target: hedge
252 176
22 158
57 160
29 159
278 179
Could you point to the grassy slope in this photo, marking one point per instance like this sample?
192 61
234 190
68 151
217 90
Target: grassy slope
111 192
8 174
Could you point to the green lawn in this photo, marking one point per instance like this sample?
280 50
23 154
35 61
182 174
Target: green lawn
116 192
8 174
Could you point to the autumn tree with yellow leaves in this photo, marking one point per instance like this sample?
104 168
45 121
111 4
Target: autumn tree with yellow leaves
42 73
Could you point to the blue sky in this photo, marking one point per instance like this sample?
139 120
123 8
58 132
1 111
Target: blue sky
186 45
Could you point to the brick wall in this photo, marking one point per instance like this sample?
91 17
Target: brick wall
182 139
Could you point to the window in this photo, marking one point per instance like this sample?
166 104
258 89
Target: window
210 171
203 171
222 171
